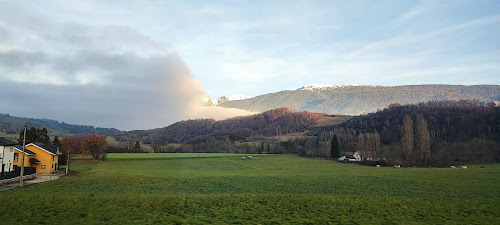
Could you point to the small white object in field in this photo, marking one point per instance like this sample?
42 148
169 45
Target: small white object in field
378 165
464 167
453 167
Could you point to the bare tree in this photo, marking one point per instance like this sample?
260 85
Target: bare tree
422 139
70 145
95 145
408 138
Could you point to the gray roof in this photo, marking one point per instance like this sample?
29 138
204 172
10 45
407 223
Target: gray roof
50 148
25 150
4 142
33 160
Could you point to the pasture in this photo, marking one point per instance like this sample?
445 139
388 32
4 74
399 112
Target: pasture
268 189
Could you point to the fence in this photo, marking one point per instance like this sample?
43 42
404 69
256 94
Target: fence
17 172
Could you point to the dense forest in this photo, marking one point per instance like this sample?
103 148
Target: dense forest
209 135
427 134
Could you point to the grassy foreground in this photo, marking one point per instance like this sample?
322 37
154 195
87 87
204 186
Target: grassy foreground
119 156
268 189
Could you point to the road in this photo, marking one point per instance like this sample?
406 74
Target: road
38 179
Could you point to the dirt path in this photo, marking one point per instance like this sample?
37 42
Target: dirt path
38 179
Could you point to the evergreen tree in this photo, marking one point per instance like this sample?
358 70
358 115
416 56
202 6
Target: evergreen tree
56 142
261 148
335 153
34 135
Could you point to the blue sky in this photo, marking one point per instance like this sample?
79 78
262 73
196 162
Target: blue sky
256 47
246 47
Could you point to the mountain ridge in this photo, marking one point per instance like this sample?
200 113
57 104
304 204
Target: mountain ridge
12 125
362 99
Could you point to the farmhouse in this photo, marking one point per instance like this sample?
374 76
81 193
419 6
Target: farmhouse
350 158
42 156
28 156
369 156
6 155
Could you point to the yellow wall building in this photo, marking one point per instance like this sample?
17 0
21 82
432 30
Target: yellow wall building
42 156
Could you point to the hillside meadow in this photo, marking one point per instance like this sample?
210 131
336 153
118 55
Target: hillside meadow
268 189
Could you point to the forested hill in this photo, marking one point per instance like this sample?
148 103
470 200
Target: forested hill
435 133
271 123
13 125
356 100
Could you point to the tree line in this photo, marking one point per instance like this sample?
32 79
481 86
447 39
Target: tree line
435 133
255 127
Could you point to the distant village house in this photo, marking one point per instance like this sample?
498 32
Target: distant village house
356 157
7 155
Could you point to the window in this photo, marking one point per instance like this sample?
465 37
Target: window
16 157
52 166
52 159
42 167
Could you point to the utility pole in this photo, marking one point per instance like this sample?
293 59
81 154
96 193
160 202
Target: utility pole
21 181
67 160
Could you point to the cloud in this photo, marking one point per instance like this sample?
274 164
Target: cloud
448 71
108 76
469 24
215 112
412 13
410 39
139 93
329 27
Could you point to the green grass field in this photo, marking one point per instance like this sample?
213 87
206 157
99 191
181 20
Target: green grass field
11 137
268 189
119 156
170 155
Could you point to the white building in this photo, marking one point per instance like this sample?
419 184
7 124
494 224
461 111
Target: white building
6 155
357 156
351 158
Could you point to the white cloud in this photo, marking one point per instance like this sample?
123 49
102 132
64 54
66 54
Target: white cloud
102 75
416 11
383 46
329 27
447 71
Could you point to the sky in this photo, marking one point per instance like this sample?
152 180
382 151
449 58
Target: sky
145 64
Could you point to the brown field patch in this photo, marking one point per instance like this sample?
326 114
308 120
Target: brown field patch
330 121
